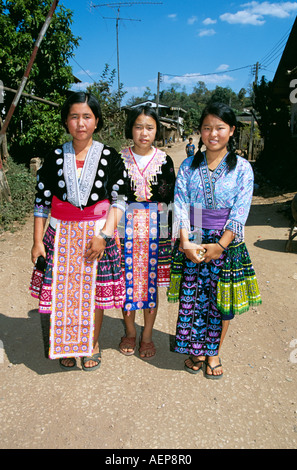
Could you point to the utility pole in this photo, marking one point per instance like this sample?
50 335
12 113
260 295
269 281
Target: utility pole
117 39
118 5
158 91
250 153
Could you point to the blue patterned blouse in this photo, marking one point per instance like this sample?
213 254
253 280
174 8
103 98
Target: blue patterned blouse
219 189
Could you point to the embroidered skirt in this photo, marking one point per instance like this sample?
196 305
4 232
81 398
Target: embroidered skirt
110 287
146 256
70 287
209 293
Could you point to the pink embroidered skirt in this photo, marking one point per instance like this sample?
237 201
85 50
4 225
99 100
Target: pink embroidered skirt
70 288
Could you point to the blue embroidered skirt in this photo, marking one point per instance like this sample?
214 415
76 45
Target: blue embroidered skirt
209 293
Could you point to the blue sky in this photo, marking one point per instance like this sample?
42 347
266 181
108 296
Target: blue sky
187 41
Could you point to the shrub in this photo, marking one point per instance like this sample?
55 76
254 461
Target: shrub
22 189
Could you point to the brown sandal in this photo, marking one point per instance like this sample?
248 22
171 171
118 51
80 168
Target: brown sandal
127 343
144 347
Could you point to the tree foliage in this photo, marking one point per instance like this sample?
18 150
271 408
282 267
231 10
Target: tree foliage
274 113
277 161
147 95
194 102
34 125
113 117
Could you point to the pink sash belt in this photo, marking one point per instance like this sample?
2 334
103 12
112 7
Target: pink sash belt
65 211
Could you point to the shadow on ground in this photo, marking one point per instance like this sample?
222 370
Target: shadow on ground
26 341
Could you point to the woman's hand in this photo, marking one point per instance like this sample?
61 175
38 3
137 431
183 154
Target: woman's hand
213 251
193 252
95 249
37 250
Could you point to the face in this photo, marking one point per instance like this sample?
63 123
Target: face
215 133
143 133
81 122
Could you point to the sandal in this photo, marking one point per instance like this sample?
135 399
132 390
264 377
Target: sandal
95 358
144 347
63 366
194 363
212 376
127 343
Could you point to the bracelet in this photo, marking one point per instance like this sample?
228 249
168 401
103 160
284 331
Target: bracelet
221 246
104 236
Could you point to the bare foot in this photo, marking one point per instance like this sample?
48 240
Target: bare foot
127 345
192 360
214 367
67 362
147 349
88 364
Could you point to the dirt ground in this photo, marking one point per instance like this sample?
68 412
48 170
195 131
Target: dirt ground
132 404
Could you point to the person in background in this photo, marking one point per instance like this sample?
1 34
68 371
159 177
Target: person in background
190 148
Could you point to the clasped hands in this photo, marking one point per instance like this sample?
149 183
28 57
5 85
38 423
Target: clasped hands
204 252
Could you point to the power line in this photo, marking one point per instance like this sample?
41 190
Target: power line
272 60
127 4
275 52
284 38
207 74
267 60
83 69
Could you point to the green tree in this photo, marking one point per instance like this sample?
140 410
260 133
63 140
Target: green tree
274 113
200 95
242 99
147 95
113 117
173 97
34 125
194 102
191 120
278 159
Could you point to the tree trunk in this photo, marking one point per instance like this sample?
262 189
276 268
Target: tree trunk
4 187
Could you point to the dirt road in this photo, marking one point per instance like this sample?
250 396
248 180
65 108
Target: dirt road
132 404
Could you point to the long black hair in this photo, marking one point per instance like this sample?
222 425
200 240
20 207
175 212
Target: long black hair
226 114
82 97
133 115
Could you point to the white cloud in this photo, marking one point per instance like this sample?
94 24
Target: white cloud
135 90
86 72
206 32
279 10
254 13
222 68
242 17
172 16
190 79
209 21
80 86
192 20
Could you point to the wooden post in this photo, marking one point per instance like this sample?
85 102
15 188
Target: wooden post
28 70
158 92
250 153
4 187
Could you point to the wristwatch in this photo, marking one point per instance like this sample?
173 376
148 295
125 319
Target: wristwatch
103 235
